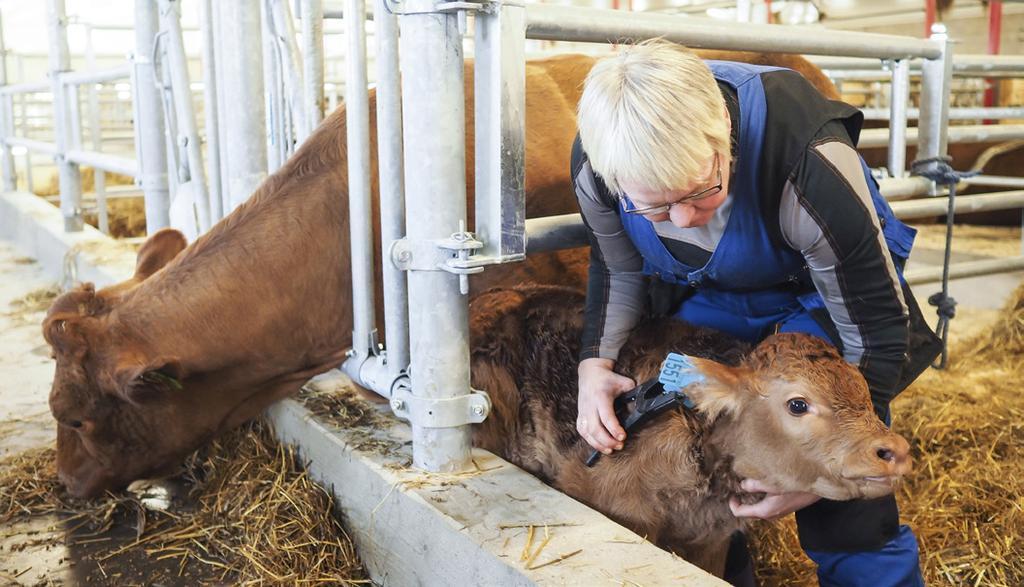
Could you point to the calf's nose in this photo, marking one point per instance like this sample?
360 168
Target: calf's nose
894 452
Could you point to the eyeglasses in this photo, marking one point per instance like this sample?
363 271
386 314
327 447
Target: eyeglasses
663 208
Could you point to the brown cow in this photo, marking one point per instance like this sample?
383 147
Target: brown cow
205 337
791 411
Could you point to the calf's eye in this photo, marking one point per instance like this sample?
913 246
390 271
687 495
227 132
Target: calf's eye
797 406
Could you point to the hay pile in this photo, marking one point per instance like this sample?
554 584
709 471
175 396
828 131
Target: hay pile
252 516
126 217
965 498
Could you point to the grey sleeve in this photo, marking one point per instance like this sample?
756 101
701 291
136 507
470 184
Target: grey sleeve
827 214
616 285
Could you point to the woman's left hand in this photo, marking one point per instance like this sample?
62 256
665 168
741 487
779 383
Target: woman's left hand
772 505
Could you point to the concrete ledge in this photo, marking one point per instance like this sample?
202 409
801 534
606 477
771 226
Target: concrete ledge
410 527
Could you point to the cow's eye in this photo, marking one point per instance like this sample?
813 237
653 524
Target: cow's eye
797 406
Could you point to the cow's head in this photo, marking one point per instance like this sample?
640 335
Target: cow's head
123 412
802 420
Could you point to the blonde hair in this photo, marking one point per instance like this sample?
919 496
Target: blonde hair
652 115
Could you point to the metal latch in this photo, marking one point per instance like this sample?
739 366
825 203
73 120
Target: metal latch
471 408
451 254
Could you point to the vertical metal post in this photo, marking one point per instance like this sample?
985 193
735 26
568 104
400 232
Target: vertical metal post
7 128
312 15
500 112
936 75
99 178
222 143
149 121
244 114
188 134
364 334
392 190
995 28
291 70
210 121
70 176
435 168
899 97
23 125
272 96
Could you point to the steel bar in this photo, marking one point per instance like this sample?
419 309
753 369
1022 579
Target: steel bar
904 188
188 133
210 113
99 183
435 167
6 122
935 83
954 113
292 69
984 64
104 161
97 77
244 114
69 175
149 121
273 94
552 233
996 181
965 269
899 100
500 106
312 15
27 88
575 23
221 106
33 145
977 133
392 189
357 118
964 204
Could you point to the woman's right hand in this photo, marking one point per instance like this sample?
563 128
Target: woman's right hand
598 387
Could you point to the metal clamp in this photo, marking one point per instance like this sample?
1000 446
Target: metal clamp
451 254
471 408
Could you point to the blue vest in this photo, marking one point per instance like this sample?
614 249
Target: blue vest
749 275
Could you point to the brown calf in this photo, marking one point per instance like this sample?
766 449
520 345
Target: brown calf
673 480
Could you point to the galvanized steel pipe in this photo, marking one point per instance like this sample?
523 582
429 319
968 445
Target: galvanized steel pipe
69 175
149 121
435 181
965 269
392 189
589 25
975 133
292 69
210 113
6 121
244 114
312 15
188 133
899 99
964 204
935 82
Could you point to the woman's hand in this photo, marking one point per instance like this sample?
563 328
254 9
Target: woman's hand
773 505
598 388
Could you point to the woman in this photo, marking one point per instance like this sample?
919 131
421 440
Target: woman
731 196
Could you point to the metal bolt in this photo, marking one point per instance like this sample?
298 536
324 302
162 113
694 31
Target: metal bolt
478 410
350 353
397 405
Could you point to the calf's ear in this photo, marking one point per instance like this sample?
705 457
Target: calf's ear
147 382
157 251
724 388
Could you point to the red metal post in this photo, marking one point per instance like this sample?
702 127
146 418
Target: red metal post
995 27
929 17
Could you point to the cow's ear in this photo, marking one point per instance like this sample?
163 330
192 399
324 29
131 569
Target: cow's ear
157 251
142 383
724 388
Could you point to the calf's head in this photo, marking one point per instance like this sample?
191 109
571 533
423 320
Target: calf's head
124 410
800 418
